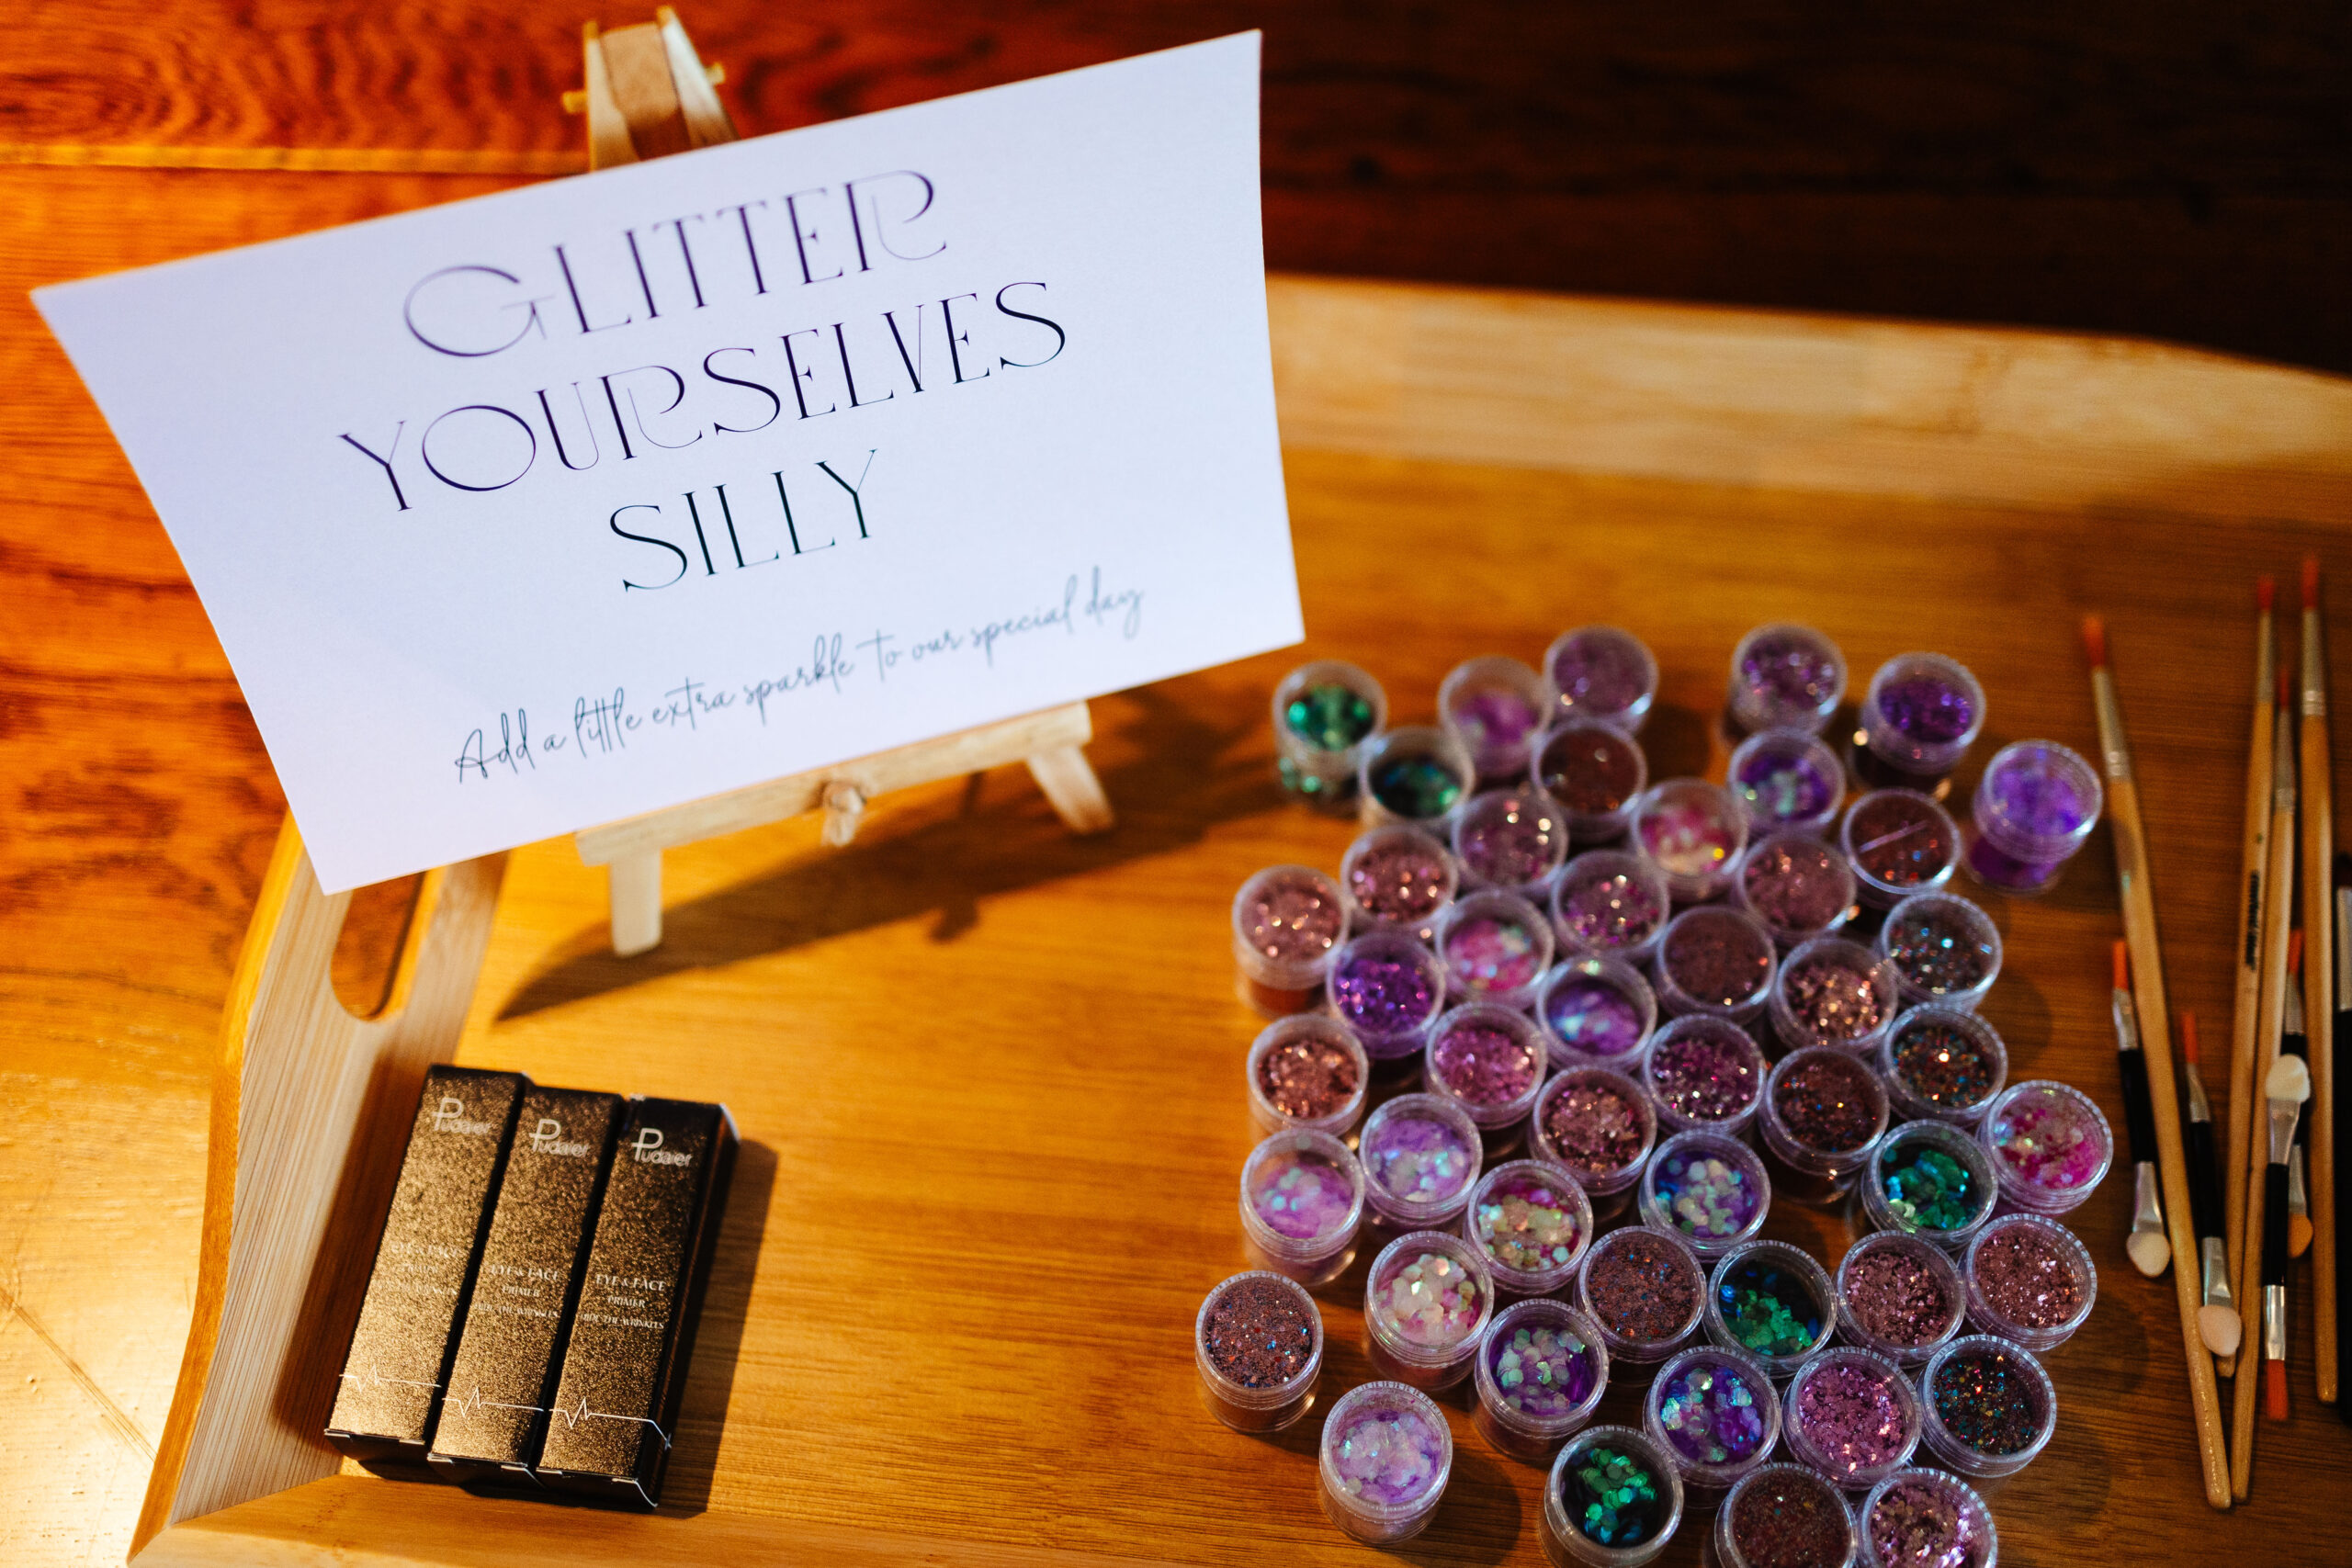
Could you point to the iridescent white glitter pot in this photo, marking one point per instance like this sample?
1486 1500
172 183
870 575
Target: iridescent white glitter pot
1384 1460
1302 1203
1420 1155
1531 1224
1426 1301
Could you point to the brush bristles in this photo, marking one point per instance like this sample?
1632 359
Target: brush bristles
2311 582
2299 1235
2266 595
2290 1080
2189 1037
2274 1377
2095 641
2295 951
2344 868
2123 966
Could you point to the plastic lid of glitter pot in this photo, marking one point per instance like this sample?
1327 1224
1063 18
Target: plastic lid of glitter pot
1258 1343
1945 948
1852 1415
1786 779
1706 1189
1414 774
1603 672
2050 1142
1898 1295
1716 960
1990 1407
1608 901
1323 712
1772 1301
1306 1071
1703 1072
1490 1061
1384 1460
1823 1111
1921 712
1785 1515
1426 1301
1613 1501
1932 1180
1923 1518
2036 804
2030 1280
1387 988
1595 1010
1495 707
1795 885
1531 1224
1288 921
1714 1413
1643 1290
1831 991
1595 771
1784 675
1541 1371
1302 1200
1598 1123
1898 842
1496 947
1943 1064
1400 877
1693 832
1510 839
1420 1157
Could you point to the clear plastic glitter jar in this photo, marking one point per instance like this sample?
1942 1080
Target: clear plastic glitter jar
1603 672
1418 774
1898 1295
1796 886
1384 1460
1784 675
1786 780
1708 1190
1924 1518
2030 1280
1823 1111
1644 1289
1918 719
1426 1301
1931 1180
1715 1414
1596 771
1306 1071
1542 1370
1302 1202
1830 991
1773 1302
1609 902
1420 1155
1898 842
1510 839
1598 1123
1595 1010
1945 948
1703 1072
2050 1144
1288 921
1716 960
1613 1500
2036 804
1989 1408
1495 708
1852 1415
1323 712
1693 832
1399 878
1389 989
1258 1344
1495 946
1490 1061
1781 1515
1943 1064
1530 1224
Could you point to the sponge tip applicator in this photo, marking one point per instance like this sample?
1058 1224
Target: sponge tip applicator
2149 1252
2219 1327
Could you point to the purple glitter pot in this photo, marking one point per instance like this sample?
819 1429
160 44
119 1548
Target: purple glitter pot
2030 1280
1602 672
1834 992
1613 1500
1387 988
1773 1302
1853 1415
1643 1289
1258 1343
1945 948
1541 1373
1920 715
1715 1414
1703 1072
1495 708
1414 774
1399 877
1323 712
1943 1064
1595 1010
1384 1458
1306 1071
1795 885
1420 1157
1785 676
1426 1301
1496 947
1705 1189
2036 804
1716 960
1490 1061
1931 1180
1599 1124
1287 922
1693 832
1990 1408
1786 778
1607 901
1898 1296
1898 842
1595 771
1823 1111
1302 1202
1924 1518
1510 839
1531 1224
1783 1516
2050 1144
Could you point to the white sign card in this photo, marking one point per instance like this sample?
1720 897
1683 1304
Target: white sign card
534 512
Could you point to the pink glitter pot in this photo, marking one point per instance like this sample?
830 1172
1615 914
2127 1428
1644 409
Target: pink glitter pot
1258 1344
1785 676
1400 877
1703 1072
1490 1061
1643 1290
1595 1010
1541 1371
1302 1202
1510 839
1595 771
1420 1157
1823 1111
1945 948
1899 1296
1287 922
1715 1414
1942 1064
2030 1280
1898 842
1693 832
1795 885
1495 708
1598 1123
1853 1415
1786 778
1384 1461
1613 1500
1923 1518
1988 1407
1531 1224
2036 804
1707 1190
1388 988
1602 672
1783 1516
1425 1303
1834 992
1415 774
1496 947
1716 960
1323 712
1918 719
1306 1071
2050 1144
1607 901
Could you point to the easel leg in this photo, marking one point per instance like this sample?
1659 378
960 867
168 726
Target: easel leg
636 885
1068 781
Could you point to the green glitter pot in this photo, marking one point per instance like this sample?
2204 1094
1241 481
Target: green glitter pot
1323 714
1989 1408
1613 1500
1932 1180
1772 1301
1542 1370
1416 774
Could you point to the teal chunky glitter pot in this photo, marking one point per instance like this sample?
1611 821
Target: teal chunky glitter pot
1414 774
1772 1301
1323 712
1613 1500
1932 1180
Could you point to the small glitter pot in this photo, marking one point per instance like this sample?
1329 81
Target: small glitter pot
1302 1202
1613 1501
1834 992
1693 832
1603 672
1599 1124
1399 877
1786 779
1772 1301
1942 1064
1716 960
1496 947
1797 886
1917 720
1426 1302
1990 1407
1899 1296
1510 839
1715 1414
1595 771
1823 1111
1643 1289
1306 1071
1414 774
1323 712
1384 1458
1852 1415
1530 1224
1490 1061
1259 1345
1924 1518
1420 1157
1541 1373
1595 1010
1945 948
1387 988
1931 1180
1704 1072
1706 1189
1783 1516
2036 804
2031 1281
1288 921
1785 676
1495 708
2050 1144
1607 901
1898 842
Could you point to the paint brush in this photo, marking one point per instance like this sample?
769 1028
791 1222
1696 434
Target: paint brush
2319 975
2340 1064
2289 1085
2253 924
2146 1246
2292 1041
2278 910
2217 1320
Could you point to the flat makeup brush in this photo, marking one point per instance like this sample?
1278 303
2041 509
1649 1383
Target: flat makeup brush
2148 1245
2242 1077
2217 1320
2293 1040
2289 1085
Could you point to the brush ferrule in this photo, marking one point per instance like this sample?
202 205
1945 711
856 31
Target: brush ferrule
2273 1323
2314 667
2127 1022
2113 752
2215 1266
2297 1203
2200 1107
2284 1113
2344 950
2147 1203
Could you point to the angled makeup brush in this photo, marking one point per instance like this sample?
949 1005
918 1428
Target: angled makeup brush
2217 1320
2149 1249
2288 1086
